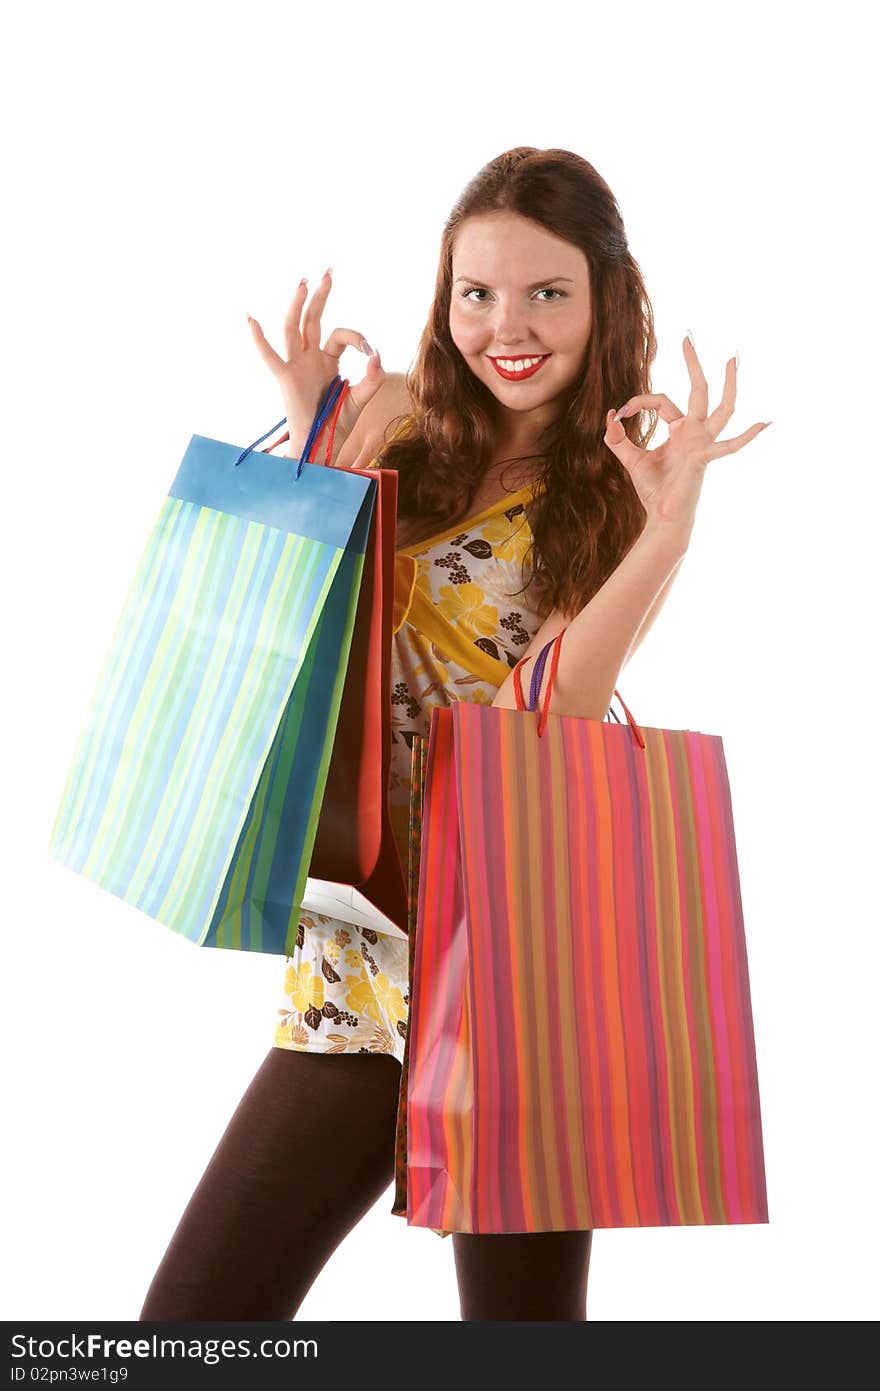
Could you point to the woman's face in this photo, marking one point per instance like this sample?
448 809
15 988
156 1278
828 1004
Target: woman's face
519 292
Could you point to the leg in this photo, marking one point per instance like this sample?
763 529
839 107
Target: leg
307 1152
523 1275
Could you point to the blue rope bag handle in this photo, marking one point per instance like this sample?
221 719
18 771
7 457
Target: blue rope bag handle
327 402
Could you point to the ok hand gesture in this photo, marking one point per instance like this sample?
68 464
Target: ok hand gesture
669 479
306 370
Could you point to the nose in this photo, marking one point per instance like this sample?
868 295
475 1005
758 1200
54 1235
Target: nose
509 326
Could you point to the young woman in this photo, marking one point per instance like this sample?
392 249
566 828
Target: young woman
527 502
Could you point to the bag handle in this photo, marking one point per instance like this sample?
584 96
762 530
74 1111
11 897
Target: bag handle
331 400
537 677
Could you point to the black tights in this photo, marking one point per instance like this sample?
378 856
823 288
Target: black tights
308 1151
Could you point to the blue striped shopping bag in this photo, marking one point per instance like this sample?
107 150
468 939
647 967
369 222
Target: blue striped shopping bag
196 784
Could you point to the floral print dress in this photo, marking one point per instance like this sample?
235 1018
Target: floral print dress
457 634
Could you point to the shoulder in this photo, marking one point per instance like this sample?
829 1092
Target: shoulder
381 416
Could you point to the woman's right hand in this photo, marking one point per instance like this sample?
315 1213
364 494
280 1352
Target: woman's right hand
308 369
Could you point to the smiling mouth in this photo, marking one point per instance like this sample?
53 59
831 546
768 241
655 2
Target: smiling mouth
513 372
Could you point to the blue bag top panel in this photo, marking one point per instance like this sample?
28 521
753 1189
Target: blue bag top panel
324 504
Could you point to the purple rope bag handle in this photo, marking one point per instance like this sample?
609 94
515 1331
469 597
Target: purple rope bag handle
538 676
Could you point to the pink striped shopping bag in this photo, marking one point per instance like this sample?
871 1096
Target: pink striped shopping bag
581 1050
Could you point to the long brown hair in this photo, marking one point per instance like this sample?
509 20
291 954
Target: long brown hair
589 514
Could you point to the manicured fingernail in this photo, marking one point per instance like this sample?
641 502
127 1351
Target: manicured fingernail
690 338
365 347
620 413
736 359
764 427
329 270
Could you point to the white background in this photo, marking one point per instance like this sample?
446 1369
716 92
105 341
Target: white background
169 169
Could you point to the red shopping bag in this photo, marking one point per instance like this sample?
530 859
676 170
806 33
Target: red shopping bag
355 847
581 1050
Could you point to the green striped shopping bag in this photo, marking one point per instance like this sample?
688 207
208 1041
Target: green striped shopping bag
196 784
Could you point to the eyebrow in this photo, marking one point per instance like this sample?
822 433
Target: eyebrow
536 286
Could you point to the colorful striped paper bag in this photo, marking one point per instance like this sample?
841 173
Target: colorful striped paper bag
196 784
580 1034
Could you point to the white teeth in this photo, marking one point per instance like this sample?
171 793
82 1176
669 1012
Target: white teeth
510 366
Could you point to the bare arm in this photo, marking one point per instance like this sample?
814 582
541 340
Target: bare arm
652 613
605 633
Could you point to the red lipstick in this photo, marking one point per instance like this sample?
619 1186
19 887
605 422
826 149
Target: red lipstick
523 373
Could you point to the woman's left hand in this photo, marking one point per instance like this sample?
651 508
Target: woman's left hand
668 479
